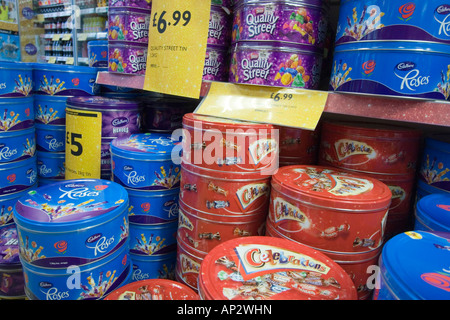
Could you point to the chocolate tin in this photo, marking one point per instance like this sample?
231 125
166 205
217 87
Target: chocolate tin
153 267
16 113
18 176
50 109
50 138
153 239
16 79
17 145
51 165
434 169
433 213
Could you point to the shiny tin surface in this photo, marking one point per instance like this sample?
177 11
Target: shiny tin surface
16 79
50 138
188 264
153 267
16 113
50 109
18 176
17 145
435 163
433 213
7 203
329 209
72 222
153 239
127 57
370 147
259 268
98 53
405 277
51 165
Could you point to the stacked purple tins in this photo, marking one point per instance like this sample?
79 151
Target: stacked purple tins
392 47
119 118
278 43
218 42
143 164
128 23
52 86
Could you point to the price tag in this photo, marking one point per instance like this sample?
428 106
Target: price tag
56 37
69 60
66 37
82 36
83 144
177 46
52 60
298 108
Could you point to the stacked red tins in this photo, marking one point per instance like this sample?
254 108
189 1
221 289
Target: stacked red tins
225 186
298 146
388 153
338 213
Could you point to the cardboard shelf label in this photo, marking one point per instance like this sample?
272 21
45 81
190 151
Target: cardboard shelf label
298 108
177 46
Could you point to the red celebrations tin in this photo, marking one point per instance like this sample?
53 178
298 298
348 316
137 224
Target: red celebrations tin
329 209
268 268
298 146
188 264
229 145
222 192
369 147
153 289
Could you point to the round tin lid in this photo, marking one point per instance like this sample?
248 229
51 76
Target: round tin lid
9 245
145 146
408 47
374 130
278 46
434 211
64 68
153 289
101 103
328 187
272 268
70 205
415 265
202 122
16 66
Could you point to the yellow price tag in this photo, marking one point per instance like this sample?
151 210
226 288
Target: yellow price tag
83 144
66 37
52 60
298 108
56 37
82 36
70 60
177 46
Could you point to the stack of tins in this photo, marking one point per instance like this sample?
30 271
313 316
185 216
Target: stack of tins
143 164
118 118
388 153
225 186
153 289
414 266
298 146
270 268
18 171
73 239
278 43
434 171
52 86
340 214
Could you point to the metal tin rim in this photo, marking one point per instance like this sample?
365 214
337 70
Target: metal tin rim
366 42
17 164
304 3
283 46
16 133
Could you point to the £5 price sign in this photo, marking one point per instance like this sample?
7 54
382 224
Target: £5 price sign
177 47
83 144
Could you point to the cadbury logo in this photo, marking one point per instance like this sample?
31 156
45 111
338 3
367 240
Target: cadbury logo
120 122
443 9
405 66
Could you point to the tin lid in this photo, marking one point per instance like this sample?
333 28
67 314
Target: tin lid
50 98
70 205
145 146
17 100
64 68
9 246
208 122
10 134
406 46
434 211
127 44
415 265
97 43
16 65
128 10
374 130
153 289
329 187
317 3
30 161
272 268
101 103
283 46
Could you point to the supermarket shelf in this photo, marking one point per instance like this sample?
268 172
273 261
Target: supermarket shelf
92 36
428 112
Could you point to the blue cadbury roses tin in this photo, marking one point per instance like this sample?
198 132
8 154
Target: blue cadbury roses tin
17 176
392 68
144 162
150 207
89 282
414 265
435 165
98 53
50 138
16 79
154 267
16 113
433 213
64 80
17 145
7 203
51 165
153 239
393 20
50 109
72 222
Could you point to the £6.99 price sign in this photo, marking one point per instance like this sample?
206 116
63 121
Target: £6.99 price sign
177 47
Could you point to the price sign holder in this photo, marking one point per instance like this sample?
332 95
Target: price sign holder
297 108
83 144
177 47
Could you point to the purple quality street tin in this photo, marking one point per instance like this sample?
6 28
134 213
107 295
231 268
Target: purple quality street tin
393 20
275 64
216 63
128 24
303 22
127 57
219 31
120 118
144 4
71 222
